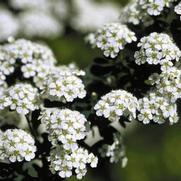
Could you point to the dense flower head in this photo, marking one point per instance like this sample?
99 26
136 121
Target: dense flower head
115 151
154 108
65 163
35 60
6 66
21 97
133 14
112 38
25 51
65 126
63 86
157 48
142 11
154 7
8 24
167 84
44 71
115 104
16 145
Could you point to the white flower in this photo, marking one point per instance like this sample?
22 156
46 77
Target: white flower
112 38
6 66
141 11
168 83
157 48
63 162
65 126
114 152
155 108
26 52
132 13
17 145
63 86
154 7
21 97
116 104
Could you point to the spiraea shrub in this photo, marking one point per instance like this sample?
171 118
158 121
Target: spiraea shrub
59 121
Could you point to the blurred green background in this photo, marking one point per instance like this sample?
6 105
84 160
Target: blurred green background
153 151
72 48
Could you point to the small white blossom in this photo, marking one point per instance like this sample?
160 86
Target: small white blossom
65 126
112 38
6 66
114 152
17 145
168 83
141 11
132 13
24 51
21 97
35 60
63 86
157 48
64 162
154 108
116 104
154 7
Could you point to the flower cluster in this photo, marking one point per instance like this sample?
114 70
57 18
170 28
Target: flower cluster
159 105
65 162
63 87
115 104
35 60
35 76
25 51
116 151
67 127
167 84
16 145
64 126
6 67
21 97
157 48
178 9
141 11
88 11
154 108
133 14
154 7
112 38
